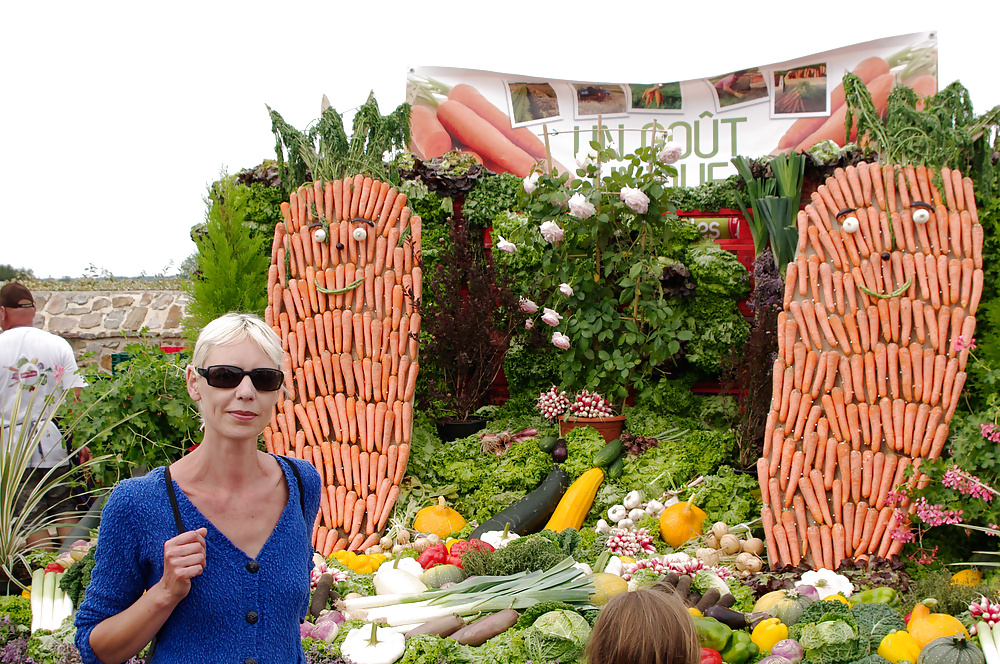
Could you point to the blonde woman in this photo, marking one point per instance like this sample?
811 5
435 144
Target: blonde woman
212 555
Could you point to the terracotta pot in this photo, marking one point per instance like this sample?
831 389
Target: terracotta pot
610 427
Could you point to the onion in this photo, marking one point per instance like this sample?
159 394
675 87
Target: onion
790 649
808 591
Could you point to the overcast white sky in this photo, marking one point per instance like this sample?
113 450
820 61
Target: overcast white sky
117 115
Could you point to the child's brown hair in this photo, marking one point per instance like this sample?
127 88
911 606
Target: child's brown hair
647 626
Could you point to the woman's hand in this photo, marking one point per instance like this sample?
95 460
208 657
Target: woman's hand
184 557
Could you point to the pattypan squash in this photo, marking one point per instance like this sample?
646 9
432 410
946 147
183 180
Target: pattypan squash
380 645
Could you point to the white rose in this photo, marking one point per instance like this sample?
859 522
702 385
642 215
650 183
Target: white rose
531 183
636 201
580 207
551 317
670 153
551 232
560 340
527 306
566 290
504 245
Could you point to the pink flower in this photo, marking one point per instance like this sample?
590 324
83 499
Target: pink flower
504 245
990 432
961 344
529 323
560 340
636 201
936 515
580 207
528 307
566 289
551 317
670 153
551 232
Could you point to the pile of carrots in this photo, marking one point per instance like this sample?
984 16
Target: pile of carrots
343 306
870 365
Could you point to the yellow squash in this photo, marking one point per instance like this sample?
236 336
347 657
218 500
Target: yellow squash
576 502
681 522
925 626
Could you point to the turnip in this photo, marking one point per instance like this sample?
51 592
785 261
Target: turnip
790 649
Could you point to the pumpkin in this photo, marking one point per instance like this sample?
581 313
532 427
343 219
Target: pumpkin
437 576
951 650
606 586
438 519
967 577
681 522
785 605
925 626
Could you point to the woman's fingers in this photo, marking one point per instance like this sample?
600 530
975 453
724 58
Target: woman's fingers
184 557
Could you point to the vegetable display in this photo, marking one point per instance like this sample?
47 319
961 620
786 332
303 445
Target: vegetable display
345 274
878 309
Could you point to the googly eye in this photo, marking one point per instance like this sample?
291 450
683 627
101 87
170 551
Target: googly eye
921 216
320 235
851 225
360 234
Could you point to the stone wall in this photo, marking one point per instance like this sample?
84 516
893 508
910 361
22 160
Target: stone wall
104 322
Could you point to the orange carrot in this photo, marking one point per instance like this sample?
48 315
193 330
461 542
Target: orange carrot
826 540
774 491
797 463
472 130
781 541
885 485
870 517
819 489
940 438
839 494
799 507
794 547
815 546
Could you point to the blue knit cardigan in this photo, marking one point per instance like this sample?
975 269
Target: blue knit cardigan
239 611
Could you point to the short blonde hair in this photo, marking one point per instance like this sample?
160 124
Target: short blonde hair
234 328
646 626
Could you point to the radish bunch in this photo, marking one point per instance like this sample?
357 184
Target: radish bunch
552 403
985 610
590 404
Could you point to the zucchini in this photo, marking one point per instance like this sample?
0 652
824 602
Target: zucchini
607 454
616 469
529 514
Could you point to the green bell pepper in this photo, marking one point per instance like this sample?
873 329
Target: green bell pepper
712 633
740 649
883 595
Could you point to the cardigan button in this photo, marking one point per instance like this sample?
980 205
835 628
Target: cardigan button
249 660
252 566
251 617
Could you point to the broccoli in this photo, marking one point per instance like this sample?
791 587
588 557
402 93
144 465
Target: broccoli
18 608
875 622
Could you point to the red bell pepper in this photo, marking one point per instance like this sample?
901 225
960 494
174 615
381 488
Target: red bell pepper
459 548
709 656
435 554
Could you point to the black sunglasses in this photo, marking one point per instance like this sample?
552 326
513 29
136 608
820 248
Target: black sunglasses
227 377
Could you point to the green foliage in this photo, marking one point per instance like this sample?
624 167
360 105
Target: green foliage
11 273
490 196
582 443
428 649
17 608
232 261
717 328
730 497
324 151
717 272
711 196
150 389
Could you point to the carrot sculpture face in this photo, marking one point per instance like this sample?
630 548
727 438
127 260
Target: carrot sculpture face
343 307
879 308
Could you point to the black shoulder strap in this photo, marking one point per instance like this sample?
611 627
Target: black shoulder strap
298 480
173 500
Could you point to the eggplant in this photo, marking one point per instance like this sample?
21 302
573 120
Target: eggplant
710 598
532 512
321 595
443 626
479 632
728 617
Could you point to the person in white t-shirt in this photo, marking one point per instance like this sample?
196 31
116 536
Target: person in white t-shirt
39 362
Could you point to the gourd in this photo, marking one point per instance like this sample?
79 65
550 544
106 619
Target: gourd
606 586
438 519
530 513
437 576
785 605
967 577
576 502
925 626
681 522
951 650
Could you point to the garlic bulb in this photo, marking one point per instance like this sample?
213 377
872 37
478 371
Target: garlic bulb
626 524
851 225
617 512
603 527
360 234
654 508
636 514
320 235
632 500
921 216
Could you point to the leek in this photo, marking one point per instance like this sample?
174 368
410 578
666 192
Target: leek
988 643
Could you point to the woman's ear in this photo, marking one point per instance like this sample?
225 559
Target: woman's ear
191 377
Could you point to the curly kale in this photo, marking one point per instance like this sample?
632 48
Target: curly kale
719 329
873 658
428 649
74 582
505 648
827 631
17 608
581 444
875 622
717 272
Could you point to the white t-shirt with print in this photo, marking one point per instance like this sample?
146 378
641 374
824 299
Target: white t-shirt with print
40 362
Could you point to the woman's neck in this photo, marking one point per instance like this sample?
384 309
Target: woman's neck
222 462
